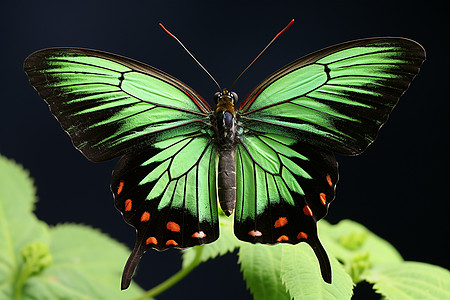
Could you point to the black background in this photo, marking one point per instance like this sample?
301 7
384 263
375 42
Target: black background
398 188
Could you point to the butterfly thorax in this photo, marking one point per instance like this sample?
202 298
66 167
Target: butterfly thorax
225 134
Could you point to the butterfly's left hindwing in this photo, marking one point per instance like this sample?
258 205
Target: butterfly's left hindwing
283 188
168 193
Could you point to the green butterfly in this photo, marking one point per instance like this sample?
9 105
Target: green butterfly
270 160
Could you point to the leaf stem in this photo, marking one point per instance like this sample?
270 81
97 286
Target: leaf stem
174 279
22 278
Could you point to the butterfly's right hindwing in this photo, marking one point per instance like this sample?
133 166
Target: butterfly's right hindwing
283 188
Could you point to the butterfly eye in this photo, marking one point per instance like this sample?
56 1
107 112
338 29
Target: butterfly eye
216 97
234 97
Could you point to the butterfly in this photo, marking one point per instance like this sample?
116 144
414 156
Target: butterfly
270 160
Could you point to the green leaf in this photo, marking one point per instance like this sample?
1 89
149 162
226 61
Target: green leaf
348 238
301 275
86 265
410 280
18 227
261 267
356 247
226 242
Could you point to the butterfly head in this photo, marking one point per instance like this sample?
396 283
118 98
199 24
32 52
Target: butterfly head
225 101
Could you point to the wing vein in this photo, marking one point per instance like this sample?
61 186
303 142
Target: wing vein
88 64
356 55
322 112
253 159
242 180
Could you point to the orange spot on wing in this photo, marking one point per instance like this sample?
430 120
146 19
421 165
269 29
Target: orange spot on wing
280 222
172 226
255 233
330 183
283 238
119 189
323 198
307 211
171 243
151 240
128 205
302 235
199 235
145 216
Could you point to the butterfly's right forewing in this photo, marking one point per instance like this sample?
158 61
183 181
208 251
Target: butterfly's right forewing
336 98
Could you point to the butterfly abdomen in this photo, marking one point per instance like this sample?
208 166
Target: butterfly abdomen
227 181
225 141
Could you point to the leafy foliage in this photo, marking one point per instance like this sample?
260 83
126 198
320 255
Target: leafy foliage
410 280
62 262
18 228
296 277
261 268
356 247
287 271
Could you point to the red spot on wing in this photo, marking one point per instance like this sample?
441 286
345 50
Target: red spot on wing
128 205
302 235
172 226
307 211
280 222
199 235
171 243
330 183
255 233
120 188
151 240
145 216
323 198
282 238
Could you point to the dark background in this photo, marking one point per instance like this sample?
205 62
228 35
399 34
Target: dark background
398 188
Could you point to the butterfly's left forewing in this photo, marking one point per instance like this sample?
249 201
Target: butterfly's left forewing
283 188
111 105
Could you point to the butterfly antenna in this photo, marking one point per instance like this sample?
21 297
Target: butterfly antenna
184 47
280 33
